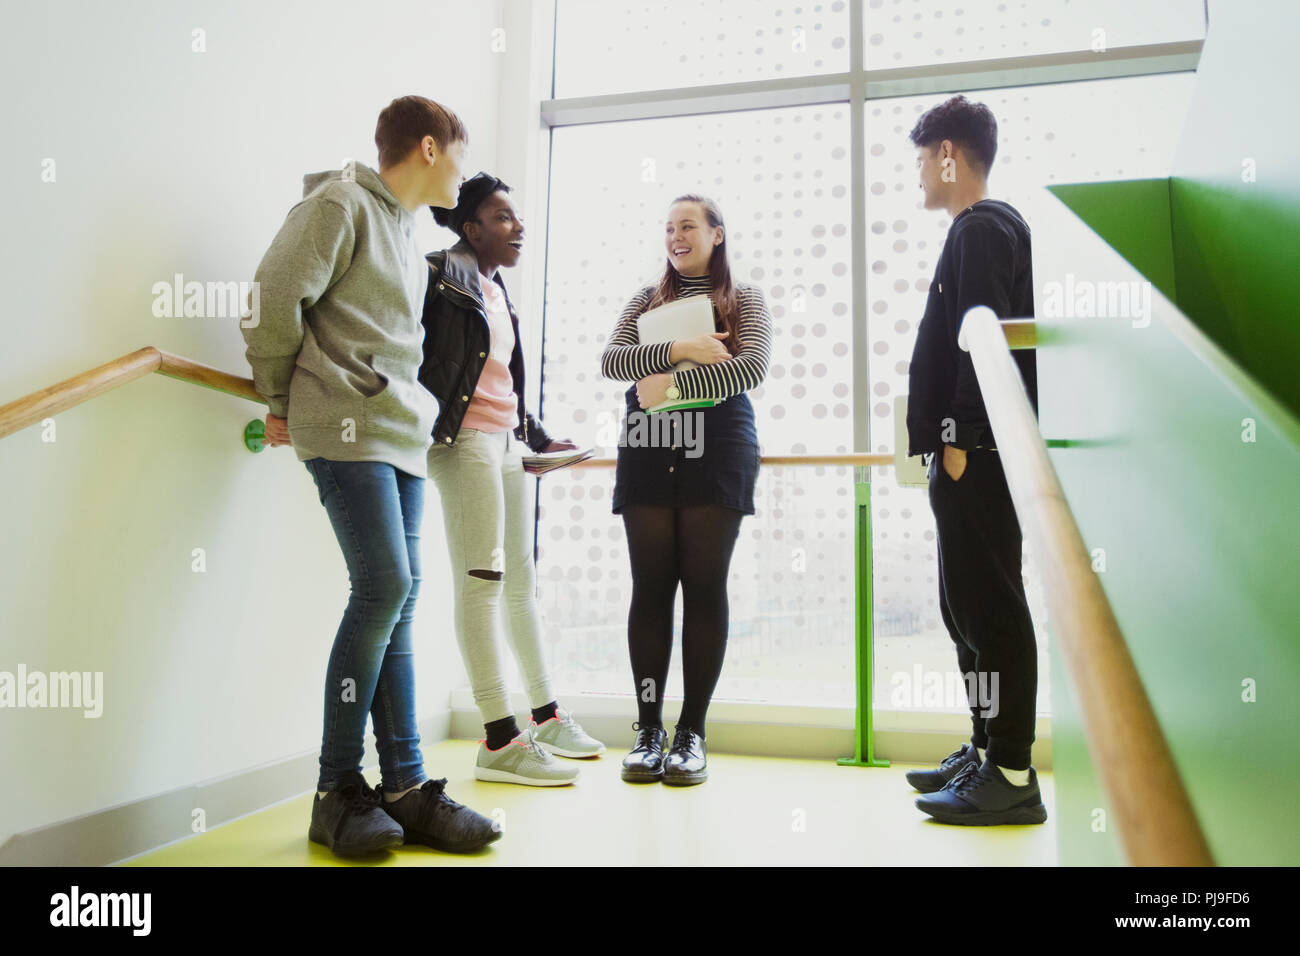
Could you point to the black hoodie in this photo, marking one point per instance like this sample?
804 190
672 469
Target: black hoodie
985 261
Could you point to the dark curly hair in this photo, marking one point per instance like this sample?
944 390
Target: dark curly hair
472 193
970 126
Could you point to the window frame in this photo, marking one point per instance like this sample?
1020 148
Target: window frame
854 88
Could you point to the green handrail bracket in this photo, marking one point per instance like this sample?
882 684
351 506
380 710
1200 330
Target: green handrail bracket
864 741
254 432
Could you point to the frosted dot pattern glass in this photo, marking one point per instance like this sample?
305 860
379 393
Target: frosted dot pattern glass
603 48
901 33
1077 132
781 177
781 180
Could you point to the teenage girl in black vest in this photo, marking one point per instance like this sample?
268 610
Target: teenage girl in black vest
682 501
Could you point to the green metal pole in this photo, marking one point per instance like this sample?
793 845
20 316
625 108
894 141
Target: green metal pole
864 741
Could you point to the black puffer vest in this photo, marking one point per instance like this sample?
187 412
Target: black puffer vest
456 343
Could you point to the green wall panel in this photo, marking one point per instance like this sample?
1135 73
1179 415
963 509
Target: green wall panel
1198 528
1182 459
1133 217
1235 255
1235 196
1221 236
1227 256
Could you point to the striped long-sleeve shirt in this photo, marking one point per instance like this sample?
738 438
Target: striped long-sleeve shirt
626 359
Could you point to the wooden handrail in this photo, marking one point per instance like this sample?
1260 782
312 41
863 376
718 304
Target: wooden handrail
61 396
1019 333
173 366
36 407
1157 824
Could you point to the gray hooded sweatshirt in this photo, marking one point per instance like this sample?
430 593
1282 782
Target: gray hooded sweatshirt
337 343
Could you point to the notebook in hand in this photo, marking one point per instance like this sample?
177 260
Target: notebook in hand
540 463
681 319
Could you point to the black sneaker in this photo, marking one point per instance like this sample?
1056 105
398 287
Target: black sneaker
983 797
928 781
431 817
348 820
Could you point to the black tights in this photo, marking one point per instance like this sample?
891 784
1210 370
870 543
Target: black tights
692 546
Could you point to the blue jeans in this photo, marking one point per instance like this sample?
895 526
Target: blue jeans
376 511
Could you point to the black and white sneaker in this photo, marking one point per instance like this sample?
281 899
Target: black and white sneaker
350 822
429 816
928 781
983 797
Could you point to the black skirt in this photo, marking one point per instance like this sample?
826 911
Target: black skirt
699 456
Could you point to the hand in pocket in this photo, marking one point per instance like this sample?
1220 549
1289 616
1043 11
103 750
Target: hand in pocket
954 462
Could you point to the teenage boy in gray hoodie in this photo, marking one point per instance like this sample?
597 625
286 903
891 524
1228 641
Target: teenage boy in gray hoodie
336 349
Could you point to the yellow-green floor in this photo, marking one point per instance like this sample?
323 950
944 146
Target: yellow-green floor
762 811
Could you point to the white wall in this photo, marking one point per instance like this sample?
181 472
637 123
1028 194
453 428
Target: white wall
173 161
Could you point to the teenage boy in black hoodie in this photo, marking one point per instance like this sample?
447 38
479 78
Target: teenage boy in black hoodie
985 261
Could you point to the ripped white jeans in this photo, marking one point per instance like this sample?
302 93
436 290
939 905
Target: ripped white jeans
487 508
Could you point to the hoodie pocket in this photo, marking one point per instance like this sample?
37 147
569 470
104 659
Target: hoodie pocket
402 412
321 394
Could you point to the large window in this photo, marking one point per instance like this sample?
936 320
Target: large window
603 47
784 178
781 179
927 32
1076 132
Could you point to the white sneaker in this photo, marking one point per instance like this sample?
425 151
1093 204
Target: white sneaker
563 735
523 760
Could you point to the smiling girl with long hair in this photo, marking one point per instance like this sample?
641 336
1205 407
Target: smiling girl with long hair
682 509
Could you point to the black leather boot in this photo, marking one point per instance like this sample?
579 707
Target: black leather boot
685 764
645 764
